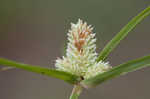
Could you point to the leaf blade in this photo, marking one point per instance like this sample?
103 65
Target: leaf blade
122 34
117 71
40 70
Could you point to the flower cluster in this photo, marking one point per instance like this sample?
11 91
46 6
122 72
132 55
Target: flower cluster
81 53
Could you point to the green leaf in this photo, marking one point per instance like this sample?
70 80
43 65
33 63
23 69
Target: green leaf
117 71
40 70
122 34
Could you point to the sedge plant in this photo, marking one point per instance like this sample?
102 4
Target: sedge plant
82 66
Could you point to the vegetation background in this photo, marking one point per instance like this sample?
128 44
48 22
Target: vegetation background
34 32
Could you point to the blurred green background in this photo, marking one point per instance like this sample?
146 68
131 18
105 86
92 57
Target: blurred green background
34 32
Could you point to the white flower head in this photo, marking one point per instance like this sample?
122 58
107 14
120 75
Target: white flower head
81 53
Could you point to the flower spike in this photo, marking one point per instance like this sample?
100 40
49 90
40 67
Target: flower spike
81 53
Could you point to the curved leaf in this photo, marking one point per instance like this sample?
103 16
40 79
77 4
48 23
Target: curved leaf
122 34
40 70
117 71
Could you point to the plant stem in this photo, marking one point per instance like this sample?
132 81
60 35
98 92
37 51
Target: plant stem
76 92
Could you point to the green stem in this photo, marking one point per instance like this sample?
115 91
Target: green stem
76 92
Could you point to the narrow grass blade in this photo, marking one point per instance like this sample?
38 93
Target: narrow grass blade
40 70
117 71
122 34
